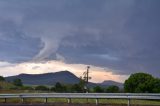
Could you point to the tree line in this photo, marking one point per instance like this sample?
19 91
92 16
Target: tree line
62 88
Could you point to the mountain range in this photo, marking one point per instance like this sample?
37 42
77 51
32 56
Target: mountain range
64 77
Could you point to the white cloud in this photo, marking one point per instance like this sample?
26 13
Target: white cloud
51 34
5 64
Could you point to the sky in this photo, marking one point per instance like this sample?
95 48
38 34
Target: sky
114 37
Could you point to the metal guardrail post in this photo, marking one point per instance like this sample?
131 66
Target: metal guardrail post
22 100
21 97
97 101
129 102
69 100
87 100
5 100
46 100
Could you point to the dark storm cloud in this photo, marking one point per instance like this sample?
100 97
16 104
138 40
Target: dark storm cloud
121 35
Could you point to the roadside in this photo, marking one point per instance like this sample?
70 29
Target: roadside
65 104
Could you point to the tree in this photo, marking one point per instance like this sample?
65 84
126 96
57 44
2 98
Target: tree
76 88
82 84
59 87
139 82
17 82
52 89
2 78
41 88
112 89
98 89
156 87
27 88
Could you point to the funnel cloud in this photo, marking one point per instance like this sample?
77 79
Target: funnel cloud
119 35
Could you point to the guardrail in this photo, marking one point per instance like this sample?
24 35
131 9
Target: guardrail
96 96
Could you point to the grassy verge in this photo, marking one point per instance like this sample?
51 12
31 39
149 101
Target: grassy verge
64 100
101 101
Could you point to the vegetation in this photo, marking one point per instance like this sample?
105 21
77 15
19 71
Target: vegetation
98 89
136 83
142 83
17 82
79 88
6 85
76 88
59 87
112 89
2 78
41 88
88 101
27 88
156 87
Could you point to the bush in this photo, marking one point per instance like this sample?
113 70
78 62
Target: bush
98 89
14 88
59 87
17 82
2 78
76 88
112 89
42 88
52 89
27 88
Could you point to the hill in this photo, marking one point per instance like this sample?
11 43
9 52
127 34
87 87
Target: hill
110 82
65 77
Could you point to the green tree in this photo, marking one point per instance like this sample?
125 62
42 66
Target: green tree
139 82
42 88
17 82
2 78
76 88
156 87
82 84
112 89
98 89
53 89
27 88
59 87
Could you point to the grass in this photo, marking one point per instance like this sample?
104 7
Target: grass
6 85
64 100
101 101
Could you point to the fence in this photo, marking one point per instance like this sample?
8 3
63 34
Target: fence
96 96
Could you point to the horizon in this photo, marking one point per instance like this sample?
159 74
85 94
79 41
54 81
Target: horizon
76 69
67 71
114 38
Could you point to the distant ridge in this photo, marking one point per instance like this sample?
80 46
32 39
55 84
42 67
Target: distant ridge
64 77
110 82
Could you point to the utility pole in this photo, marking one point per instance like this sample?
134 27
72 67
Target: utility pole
86 78
88 73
